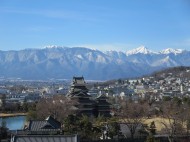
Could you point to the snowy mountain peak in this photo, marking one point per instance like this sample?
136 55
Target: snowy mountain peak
171 51
53 47
141 50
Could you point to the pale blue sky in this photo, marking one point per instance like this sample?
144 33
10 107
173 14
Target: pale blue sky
102 24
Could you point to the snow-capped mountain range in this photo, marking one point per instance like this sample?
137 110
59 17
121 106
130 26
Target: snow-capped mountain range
64 62
140 50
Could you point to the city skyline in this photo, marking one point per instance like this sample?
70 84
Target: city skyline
102 25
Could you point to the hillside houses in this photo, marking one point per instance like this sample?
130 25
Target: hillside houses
152 87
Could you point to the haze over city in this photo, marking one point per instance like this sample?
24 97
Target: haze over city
102 24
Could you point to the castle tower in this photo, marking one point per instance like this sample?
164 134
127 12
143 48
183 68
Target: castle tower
102 106
79 92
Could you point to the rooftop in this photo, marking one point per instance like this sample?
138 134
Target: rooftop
45 138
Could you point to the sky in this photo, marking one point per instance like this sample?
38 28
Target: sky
119 25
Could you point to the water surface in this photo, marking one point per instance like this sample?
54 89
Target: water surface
14 123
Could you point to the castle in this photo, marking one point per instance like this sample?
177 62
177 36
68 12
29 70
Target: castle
84 103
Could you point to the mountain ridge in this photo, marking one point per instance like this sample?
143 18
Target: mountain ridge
64 62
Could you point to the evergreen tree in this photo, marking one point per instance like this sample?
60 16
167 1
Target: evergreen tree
3 130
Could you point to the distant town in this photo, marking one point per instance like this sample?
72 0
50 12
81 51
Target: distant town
149 108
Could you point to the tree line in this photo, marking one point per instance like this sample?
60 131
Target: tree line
173 114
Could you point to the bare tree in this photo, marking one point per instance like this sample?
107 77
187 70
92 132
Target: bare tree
133 115
174 119
58 106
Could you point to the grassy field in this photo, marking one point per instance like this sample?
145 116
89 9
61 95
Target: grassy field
158 122
11 114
